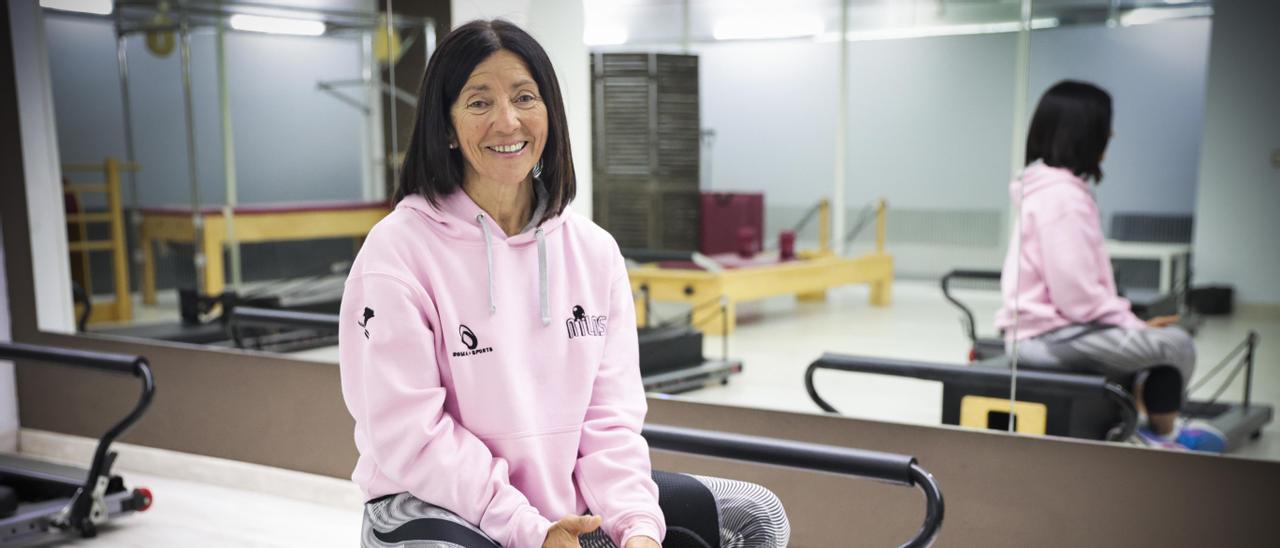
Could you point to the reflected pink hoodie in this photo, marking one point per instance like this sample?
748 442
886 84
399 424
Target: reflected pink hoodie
497 376
1066 275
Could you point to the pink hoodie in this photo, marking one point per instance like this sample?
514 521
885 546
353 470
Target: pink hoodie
1066 275
497 376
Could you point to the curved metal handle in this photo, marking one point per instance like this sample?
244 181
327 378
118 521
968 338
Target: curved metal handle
813 391
934 508
969 326
890 467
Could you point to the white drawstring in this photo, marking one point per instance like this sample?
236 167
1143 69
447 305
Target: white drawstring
543 305
488 252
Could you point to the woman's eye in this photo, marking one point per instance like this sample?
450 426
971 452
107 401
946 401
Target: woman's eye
477 104
526 98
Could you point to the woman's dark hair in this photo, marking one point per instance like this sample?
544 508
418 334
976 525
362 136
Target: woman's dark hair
1071 127
434 170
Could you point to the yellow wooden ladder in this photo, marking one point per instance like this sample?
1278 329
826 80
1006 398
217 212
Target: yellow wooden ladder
121 307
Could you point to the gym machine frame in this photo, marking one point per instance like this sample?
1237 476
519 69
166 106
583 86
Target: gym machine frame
1237 422
74 501
888 467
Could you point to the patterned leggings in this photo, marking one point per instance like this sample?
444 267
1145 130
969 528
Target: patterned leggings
746 516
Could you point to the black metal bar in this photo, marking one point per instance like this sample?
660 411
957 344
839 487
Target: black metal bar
808 216
969 326
644 255
648 304
105 361
245 316
890 467
79 295
1248 368
1061 383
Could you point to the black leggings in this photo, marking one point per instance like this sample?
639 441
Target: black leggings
1162 390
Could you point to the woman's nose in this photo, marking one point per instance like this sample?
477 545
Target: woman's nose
506 118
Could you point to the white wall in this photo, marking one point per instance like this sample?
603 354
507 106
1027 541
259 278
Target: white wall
931 121
54 309
1238 199
1156 77
557 25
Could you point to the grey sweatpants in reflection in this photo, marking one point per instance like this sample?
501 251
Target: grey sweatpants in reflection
1111 351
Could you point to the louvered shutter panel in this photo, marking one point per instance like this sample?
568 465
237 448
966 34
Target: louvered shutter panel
646 148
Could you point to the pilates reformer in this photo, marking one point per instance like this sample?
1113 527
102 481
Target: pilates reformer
38 498
889 467
1057 402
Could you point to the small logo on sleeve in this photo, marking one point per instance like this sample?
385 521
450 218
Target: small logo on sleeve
583 325
470 340
368 315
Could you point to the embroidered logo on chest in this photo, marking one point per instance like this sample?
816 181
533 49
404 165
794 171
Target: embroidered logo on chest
470 340
583 325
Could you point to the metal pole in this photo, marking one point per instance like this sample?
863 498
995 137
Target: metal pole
135 217
1248 368
1022 74
842 134
228 157
685 30
391 73
197 221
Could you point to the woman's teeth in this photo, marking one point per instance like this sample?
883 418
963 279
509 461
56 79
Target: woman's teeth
510 148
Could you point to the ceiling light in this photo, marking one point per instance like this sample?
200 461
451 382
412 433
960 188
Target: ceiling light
604 35
96 7
760 28
277 25
1143 16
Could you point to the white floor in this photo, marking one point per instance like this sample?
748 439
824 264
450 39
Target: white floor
776 345
198 515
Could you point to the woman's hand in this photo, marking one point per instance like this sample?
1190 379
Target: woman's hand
1163 321
642 542
564 534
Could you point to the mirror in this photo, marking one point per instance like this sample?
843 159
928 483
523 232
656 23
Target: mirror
282 126
1107 256
927 101
829 164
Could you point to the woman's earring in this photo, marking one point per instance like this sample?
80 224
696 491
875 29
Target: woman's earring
453 146
537 169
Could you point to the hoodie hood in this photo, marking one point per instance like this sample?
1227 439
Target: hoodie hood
1038 176
455 216
458 216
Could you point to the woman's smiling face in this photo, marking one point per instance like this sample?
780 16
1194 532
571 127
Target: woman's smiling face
500 121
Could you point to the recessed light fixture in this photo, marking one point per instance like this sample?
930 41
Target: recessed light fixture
277 25
762 28
96 7
604 35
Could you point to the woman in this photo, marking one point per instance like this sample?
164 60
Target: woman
488 338
1060 300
